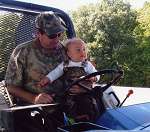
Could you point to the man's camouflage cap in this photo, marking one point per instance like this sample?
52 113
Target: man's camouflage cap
49 22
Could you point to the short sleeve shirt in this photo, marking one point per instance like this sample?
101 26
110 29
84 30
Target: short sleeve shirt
30 62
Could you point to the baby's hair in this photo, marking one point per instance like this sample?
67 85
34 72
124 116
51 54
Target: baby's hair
71 41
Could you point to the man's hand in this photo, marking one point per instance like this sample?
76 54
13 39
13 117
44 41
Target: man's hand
43 98
92 79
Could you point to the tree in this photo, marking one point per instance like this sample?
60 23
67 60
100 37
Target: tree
142 54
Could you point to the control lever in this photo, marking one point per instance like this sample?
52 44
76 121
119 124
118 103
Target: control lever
127 96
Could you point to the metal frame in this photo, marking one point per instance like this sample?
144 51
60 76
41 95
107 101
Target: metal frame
11 5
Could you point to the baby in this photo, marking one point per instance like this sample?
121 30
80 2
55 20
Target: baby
75 67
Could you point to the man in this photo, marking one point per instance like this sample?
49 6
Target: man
32 60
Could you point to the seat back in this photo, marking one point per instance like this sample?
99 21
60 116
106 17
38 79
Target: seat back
5 97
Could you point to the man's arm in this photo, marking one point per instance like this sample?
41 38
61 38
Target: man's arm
14 78
29 97
18 92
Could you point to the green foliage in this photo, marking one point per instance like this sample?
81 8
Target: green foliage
142 34
144 19
83 20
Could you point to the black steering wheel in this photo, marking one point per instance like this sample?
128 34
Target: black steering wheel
117 75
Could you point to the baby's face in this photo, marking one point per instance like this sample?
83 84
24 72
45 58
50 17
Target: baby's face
77 51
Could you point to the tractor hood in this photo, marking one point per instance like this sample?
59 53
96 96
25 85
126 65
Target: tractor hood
127 117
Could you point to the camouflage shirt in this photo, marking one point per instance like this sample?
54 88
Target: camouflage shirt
30 62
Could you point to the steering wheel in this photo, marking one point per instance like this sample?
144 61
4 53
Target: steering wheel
117 75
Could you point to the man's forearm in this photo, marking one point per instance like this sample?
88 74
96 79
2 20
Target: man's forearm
24 95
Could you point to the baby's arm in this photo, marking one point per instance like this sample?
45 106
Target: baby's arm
91 69
52 76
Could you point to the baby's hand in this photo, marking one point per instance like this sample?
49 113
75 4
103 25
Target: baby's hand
92 79
44 82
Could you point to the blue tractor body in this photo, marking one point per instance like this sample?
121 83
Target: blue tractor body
127 117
